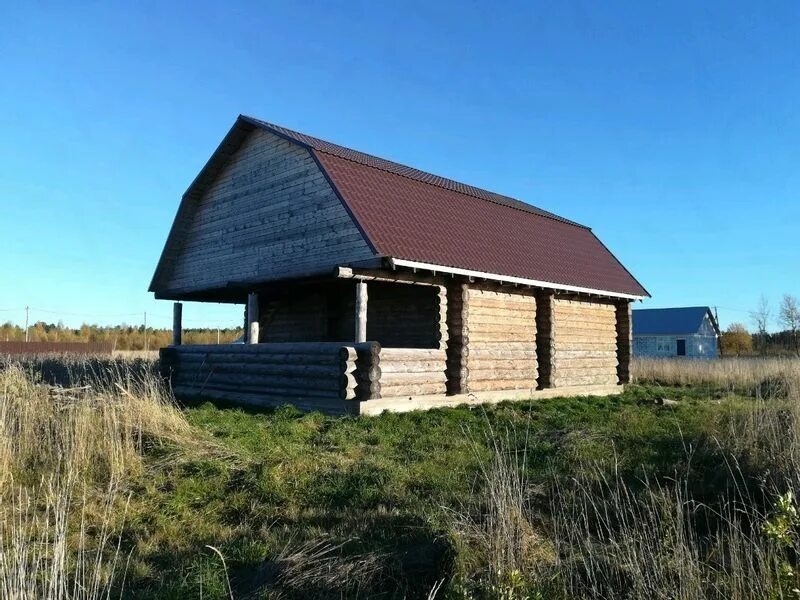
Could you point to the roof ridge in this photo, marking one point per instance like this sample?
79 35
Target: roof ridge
369 160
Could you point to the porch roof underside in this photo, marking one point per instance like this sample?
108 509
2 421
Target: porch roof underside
235 292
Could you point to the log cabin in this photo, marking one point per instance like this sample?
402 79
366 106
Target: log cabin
368 285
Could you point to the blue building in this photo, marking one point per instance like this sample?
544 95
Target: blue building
667 332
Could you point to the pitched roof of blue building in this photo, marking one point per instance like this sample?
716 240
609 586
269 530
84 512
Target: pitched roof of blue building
671 321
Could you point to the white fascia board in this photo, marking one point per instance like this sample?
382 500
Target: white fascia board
411 264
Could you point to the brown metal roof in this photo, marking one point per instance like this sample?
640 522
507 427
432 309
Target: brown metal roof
409 214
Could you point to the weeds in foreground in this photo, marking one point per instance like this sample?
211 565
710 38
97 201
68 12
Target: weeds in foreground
65 455
613 537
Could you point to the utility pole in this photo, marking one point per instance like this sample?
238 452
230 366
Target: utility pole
145 331
27 311
217 336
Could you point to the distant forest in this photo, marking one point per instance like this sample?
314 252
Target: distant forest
124 337
736 341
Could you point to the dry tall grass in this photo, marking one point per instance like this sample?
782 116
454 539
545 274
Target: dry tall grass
611 538
767 376
65 455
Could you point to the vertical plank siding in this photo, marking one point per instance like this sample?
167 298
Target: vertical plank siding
270 213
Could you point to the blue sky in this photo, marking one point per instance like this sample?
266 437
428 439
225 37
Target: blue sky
672 129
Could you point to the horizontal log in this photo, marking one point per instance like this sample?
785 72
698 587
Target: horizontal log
272 391
501 351
267 348
589 320
608 359
248 396
497 385
503 374
572 369
579 345
266 382
490 297
501 363
564 312
566 381
411 366
500 338
511 318
413 389
562 323
392 379
586 353
260 359
519 311
569 330
289 370
405 354
528 327
603 338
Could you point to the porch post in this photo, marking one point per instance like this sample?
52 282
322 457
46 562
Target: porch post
252 318
177 327
361 312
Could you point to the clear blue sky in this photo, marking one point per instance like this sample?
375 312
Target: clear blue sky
672 129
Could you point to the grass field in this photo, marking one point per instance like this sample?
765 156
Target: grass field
679 488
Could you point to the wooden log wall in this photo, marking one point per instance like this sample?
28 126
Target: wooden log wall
501 328
309 375
300 317
412 371
584 342
407 316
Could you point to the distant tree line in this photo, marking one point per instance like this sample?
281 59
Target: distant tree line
736 340
123 337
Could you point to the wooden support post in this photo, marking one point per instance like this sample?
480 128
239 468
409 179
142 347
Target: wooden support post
624 341
252 318
177 327
545 338
361 312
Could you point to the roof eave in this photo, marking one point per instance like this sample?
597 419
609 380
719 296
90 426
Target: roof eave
399 262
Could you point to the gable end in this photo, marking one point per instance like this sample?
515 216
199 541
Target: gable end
261 209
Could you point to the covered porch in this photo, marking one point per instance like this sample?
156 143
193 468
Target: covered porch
361 341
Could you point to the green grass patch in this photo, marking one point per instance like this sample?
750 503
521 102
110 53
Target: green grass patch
372 498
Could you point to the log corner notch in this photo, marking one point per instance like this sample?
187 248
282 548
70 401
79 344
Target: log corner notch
368 371
251 331
545 338
167 361
458 342
177 325
624 341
